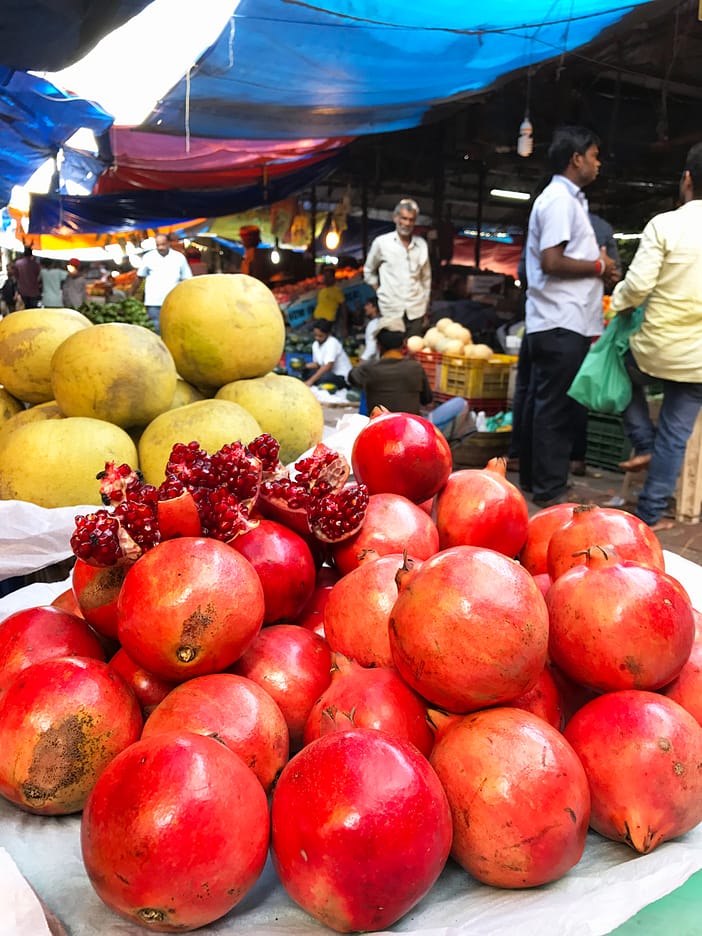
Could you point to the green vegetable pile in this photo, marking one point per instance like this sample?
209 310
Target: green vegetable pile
130 310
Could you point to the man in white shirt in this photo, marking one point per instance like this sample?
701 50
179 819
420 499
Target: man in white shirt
161 270
666 275
566 274
330 363
398 268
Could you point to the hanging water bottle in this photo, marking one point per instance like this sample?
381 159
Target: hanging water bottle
525 143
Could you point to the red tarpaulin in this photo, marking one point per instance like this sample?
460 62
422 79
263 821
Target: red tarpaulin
155 161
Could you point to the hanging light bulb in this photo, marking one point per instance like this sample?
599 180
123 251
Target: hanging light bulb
331 239
525 143
275 253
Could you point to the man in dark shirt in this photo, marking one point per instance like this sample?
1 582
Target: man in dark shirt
28 274
394 381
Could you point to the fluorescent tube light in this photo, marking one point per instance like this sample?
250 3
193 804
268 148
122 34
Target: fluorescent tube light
508 193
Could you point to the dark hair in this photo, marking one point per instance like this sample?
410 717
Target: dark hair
373 300
324 325
693 165
568 140
389 340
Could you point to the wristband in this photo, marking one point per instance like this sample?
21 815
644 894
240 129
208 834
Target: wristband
600 267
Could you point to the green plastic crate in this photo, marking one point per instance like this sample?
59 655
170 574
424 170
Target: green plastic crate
607 443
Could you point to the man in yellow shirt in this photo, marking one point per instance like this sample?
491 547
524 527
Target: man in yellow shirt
331 302
666 275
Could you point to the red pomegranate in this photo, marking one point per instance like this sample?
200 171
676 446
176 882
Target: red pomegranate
642 754
543 581
480 507
358 610
312 615
149 689
34 634
540 529
361 829
619 625
393 524
235 711
686 688
66 601
61 723
398 453
285 566
469 629
175 832
518 795
543 699
97 590
189 607
294 666
602 526
370 698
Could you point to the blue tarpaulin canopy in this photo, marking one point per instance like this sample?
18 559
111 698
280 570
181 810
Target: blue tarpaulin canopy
352 67
282 69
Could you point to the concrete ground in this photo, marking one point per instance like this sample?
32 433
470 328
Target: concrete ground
605 488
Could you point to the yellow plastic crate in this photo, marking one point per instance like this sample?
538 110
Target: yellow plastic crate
469 377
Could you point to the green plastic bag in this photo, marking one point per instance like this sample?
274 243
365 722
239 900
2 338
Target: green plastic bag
602 384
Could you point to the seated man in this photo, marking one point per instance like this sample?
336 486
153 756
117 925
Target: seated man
394 381
330 363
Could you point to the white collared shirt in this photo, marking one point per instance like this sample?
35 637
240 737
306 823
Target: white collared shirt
560 215
162 274
400 275
331 351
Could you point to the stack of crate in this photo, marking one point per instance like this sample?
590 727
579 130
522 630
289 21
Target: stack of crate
485 384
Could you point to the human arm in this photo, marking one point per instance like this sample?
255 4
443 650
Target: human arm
642 274
320 371
372 265
554 262
425 394
185 272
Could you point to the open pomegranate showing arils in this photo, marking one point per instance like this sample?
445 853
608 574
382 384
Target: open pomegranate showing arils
518 794
619 625
189 606
642 754
469 629
235 711
399 453
175 832
315 499
480 507
361 829
61 723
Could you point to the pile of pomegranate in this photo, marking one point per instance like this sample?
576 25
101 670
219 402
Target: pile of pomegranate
365 678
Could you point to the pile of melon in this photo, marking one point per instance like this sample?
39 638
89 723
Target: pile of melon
449 337
74 395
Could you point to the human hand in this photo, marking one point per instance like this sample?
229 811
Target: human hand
611 274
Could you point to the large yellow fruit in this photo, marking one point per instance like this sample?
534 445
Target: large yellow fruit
9 406
28 340
53 462
185 393
48 410
283 406
121 373
222 327
212 423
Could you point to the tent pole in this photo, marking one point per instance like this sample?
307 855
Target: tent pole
364 217
479 213
313 223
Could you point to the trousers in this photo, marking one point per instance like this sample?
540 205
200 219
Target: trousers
551 420
665 443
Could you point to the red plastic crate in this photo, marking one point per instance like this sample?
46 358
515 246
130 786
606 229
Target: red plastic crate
431 362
